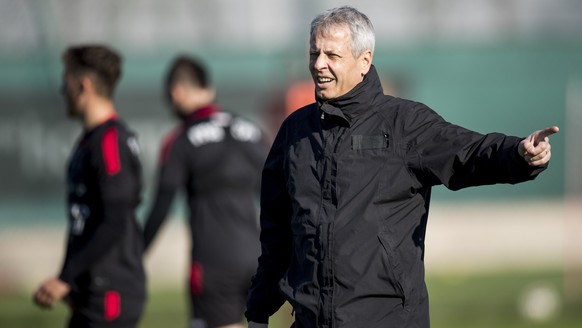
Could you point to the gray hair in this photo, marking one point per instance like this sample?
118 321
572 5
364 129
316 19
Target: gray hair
362 30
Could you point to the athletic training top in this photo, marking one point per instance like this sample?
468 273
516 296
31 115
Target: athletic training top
105 244
217 158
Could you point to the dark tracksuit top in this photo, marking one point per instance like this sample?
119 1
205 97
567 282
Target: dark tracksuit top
217 158
344 206
105 242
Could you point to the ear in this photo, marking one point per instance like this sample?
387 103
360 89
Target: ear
86 84
365 61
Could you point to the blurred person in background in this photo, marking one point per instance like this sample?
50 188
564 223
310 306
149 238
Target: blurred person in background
216 157
102 277
346 190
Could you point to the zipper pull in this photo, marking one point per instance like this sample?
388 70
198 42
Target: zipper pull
386 138
322 115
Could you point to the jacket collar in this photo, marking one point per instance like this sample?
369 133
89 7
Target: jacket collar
357 101
203 113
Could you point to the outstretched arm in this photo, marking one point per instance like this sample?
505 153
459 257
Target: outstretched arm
536 148
443 153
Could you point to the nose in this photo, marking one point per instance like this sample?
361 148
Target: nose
318 62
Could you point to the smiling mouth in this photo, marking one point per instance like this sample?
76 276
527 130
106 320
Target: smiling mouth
323 80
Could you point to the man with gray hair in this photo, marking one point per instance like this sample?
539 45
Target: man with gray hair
346 190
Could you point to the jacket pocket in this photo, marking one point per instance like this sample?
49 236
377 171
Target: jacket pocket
393 267
381 161
360 142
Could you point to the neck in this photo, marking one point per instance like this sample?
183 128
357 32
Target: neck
98 112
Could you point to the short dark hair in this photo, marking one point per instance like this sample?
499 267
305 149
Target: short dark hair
101 63
189 70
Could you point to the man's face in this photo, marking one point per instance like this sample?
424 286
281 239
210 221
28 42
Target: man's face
71 91
333 67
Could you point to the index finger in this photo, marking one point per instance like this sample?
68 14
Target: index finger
548 131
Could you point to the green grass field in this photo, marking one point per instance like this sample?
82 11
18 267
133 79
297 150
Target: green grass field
457 301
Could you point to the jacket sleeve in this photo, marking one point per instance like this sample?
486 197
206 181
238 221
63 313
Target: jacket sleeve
443 153
264 298
112 162
171 176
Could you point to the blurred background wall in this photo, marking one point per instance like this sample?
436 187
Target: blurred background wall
489 65
511 66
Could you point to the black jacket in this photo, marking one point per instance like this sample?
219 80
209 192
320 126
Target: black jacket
344 206
105 243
